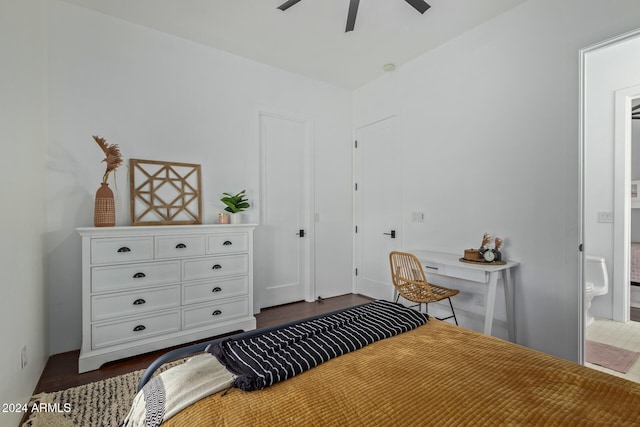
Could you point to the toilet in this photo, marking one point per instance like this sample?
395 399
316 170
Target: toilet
596 281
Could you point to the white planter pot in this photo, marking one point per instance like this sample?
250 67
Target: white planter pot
236 218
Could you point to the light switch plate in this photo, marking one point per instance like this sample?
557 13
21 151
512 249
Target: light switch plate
417 217
605 216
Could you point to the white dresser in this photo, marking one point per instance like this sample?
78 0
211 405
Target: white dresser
148 288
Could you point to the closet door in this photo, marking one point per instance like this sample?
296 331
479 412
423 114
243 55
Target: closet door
283 237
378 200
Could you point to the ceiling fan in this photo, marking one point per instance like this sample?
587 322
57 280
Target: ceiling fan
419 5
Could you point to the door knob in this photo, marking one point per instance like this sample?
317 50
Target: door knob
392 234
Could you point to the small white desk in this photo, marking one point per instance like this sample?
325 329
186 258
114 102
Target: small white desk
449 265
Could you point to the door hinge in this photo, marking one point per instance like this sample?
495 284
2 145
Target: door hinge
356 228
581 247
356 186
356 143
356 271
300 233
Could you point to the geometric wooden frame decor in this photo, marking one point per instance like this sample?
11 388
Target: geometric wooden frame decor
164 193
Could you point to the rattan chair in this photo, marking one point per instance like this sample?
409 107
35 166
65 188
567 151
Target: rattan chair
410 283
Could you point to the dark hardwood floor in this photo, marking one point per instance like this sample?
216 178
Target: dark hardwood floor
61 371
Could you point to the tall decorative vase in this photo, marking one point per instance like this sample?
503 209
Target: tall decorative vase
104 214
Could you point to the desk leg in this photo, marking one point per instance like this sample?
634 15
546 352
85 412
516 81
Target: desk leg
491 303
509 302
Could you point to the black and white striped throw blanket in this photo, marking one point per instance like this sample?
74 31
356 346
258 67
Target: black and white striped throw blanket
263 360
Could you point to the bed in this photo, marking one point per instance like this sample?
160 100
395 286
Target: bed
434 374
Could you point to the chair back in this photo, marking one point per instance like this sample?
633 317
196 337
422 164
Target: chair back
408 277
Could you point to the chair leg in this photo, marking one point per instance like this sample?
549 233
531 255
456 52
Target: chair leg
419 305
452 311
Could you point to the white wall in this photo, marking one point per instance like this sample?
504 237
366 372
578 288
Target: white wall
164 98
23 294
608 70
490 143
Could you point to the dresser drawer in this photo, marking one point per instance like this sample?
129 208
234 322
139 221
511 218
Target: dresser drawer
110 306
105 335
214 289
214 313
134 276
227 243
124 249
204 268
179 246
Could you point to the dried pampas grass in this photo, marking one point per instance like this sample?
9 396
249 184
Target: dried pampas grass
113 157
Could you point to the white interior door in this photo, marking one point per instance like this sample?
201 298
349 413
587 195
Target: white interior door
282 255
378 201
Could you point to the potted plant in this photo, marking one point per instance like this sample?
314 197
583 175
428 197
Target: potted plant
235 205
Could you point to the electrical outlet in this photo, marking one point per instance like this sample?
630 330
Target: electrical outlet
23 357
478 299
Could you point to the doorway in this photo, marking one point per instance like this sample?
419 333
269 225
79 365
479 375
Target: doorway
634 255
610 80
623 206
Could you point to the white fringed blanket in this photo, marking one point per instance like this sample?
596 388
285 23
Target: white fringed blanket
176 388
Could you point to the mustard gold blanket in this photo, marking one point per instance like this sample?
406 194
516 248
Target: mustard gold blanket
436 374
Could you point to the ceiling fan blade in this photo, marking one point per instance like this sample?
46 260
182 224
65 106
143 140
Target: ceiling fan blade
419 5
286 5
637 107
351 17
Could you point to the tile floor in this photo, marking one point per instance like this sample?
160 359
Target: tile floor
624 335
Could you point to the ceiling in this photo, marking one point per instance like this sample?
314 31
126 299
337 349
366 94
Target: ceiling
309 38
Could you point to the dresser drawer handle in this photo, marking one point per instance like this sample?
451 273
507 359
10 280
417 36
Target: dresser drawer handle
216 267
139 275
124 249
217 289
139 301
139 328
216 313
181 246
227 243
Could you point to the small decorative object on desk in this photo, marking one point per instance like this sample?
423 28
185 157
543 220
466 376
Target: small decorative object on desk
104 214
496 248
484 254
486 238
236 204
